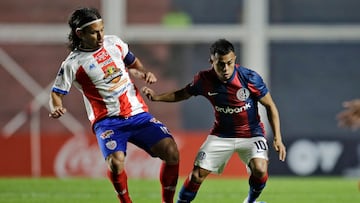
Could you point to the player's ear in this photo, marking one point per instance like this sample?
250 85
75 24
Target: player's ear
211 60
78 33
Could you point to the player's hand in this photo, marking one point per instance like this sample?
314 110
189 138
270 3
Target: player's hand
149 93
350 116
348 119
149 77
57 112
280 148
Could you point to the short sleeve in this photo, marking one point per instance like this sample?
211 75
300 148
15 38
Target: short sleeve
193 88
256 84
124 47
64 79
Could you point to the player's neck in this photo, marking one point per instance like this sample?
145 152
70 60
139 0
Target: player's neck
81 48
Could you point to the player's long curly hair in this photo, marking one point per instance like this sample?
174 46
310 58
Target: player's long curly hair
78 18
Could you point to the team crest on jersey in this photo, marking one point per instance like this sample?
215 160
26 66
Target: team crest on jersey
112 73
111 144
243 94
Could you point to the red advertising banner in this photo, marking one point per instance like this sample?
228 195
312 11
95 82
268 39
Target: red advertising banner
66 156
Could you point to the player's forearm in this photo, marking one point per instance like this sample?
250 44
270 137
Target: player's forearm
55 101
57 110
175 96
137 70
138 66
274 120
165 97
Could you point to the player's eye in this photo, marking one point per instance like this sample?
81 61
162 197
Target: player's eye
221 65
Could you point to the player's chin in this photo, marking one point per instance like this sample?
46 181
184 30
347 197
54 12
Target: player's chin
226 77
99 44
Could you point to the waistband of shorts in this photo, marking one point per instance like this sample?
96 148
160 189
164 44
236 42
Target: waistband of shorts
121 117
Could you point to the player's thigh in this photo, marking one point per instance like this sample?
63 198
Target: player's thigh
110 137
251 148
166 149
153 137
214 154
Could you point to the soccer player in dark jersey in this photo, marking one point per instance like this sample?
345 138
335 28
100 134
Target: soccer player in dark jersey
234 92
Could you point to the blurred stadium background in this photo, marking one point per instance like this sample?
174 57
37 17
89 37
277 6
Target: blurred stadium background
307 52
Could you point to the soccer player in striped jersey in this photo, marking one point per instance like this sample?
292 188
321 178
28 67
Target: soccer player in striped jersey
99 66
234 92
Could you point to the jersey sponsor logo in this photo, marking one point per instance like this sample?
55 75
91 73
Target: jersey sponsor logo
212 93
229 110
101 56
243 94
118 91
111 71
119 84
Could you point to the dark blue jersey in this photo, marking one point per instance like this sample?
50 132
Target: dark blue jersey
235 101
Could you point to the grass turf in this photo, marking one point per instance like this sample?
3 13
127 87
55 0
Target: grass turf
81 190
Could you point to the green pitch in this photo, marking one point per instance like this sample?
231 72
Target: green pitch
278 190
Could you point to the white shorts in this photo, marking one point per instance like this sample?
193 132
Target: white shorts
215 152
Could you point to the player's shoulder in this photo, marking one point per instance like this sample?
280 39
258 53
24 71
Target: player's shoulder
71 58
113 39
246 71
242 69
205 75
249 75
206 72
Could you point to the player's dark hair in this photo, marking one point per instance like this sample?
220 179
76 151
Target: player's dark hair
78 18
221 47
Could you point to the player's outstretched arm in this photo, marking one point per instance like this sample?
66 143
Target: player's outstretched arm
174 96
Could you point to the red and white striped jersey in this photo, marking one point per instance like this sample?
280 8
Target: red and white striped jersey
103 79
